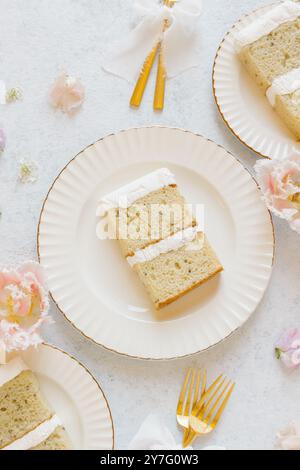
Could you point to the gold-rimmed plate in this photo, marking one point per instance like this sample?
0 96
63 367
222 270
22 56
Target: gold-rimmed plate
74 395
91 282
243 106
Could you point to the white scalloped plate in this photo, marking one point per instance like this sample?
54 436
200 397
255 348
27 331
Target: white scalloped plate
74 395
93 285
243 106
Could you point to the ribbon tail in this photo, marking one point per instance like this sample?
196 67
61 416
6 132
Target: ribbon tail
129 59
182 51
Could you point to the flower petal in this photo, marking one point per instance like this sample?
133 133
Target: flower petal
67 94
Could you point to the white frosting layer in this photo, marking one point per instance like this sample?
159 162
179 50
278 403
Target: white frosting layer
265 24
127 195
172 243
11 370
36 436
284 85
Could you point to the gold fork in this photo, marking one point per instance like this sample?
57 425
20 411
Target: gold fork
141 83
189 397
207 412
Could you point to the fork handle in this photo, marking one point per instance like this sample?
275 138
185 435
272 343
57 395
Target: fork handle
141 83
191 436
159 96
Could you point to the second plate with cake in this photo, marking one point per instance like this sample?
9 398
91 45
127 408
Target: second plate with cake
256 79
91 280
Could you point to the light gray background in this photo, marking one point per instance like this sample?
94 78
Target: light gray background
38 39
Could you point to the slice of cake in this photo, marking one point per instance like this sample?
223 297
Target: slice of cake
269 48
26 421
147 210
175 266
159 236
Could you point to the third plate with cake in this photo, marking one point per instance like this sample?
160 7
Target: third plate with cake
49 401
156 243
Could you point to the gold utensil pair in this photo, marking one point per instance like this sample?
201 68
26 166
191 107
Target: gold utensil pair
159 95
199 410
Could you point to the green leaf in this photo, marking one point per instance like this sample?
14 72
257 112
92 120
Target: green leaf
278 353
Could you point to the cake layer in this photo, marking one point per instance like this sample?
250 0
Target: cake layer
288 108
128 194
283 85
58 440
37 435
171 243
26 421
22 408
174 273
273 55
151 218
284 12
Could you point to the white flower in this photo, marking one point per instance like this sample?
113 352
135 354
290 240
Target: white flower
14 94
28 171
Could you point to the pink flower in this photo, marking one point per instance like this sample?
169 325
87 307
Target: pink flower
23 306
2 140
280 184
288 348
289 438
67 94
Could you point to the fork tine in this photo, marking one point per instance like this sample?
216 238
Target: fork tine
183 391
200 403
196 393
200 386
222 406
210 401
190 394
211 411
203 385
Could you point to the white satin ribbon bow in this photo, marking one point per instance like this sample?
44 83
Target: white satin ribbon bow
179 40
154 435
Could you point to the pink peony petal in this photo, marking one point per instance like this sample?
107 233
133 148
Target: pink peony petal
289 437
288 348
279 182
36 269
67 94
24 306
11 277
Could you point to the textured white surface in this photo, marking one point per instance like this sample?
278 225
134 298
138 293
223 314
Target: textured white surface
38 39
